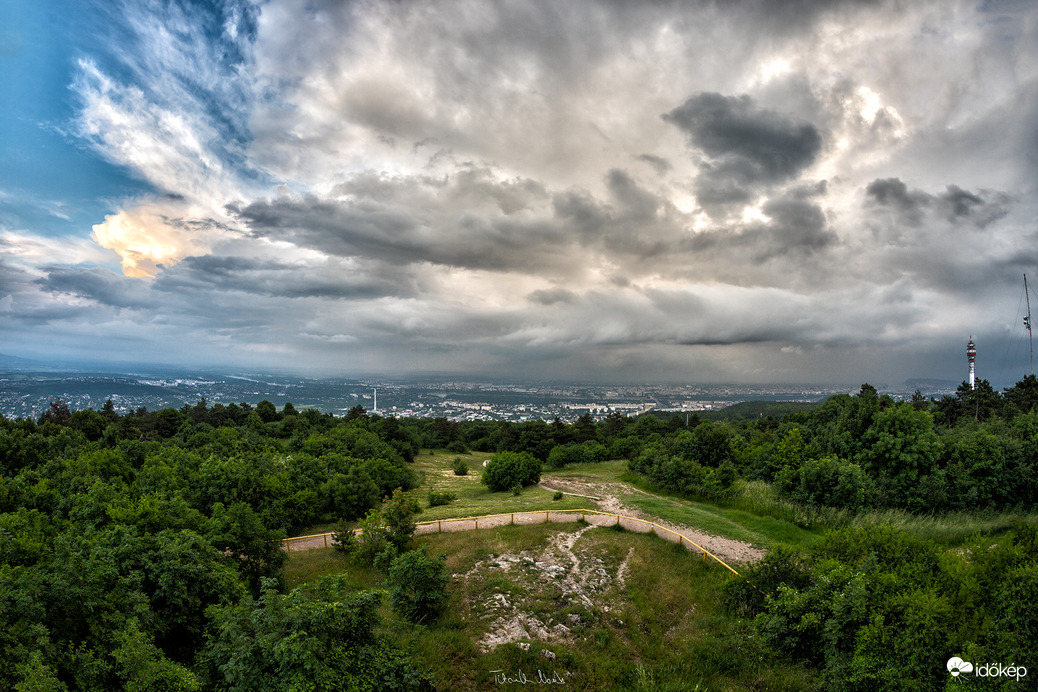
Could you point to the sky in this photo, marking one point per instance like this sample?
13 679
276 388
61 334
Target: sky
702 191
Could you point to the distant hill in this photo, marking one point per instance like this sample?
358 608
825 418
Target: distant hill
7 361
752 410
925 383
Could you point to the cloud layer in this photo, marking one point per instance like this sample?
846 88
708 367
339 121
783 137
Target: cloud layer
691 191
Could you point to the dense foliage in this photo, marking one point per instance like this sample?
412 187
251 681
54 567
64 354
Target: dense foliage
876 608
508 470
140 551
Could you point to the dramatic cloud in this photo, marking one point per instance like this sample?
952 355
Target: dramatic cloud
679 190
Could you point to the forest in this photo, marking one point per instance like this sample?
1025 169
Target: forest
139 550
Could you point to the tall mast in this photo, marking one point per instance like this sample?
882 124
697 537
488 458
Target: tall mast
971 356
1027 322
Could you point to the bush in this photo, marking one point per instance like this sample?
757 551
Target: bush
418 584
557 496
398 514
508 469
827 481
445 498
560 455
343 538
746 595
374 536
458 447
592 452
460 467
349 495
517 489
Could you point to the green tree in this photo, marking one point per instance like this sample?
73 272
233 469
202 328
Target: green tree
901 448
267 412
56 413
398 512
239 531
507 469
351 494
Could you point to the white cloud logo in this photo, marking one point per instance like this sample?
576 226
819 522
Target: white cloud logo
956 665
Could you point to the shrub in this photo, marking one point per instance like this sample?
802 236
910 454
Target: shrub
398 514
557 496
445 498
458 447
418 584
593 452
516 489
746 595
343 538
827 481
560 455
349 495
374 536
508 469
460 467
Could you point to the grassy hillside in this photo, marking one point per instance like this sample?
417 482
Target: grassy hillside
595 608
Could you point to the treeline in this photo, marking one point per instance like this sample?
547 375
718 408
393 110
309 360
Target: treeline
976 450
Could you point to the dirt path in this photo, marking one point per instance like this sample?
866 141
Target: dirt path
607 497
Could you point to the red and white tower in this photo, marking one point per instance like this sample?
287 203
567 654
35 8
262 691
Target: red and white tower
971 356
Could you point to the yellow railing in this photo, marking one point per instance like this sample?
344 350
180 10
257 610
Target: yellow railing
653 527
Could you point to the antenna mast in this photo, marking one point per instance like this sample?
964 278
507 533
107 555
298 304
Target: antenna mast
971 356
1027 322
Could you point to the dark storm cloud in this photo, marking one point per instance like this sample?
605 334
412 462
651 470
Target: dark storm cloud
466 220
954 205
97 284
893 194
401 236
796 228
747 147
756 144
551 296
283 280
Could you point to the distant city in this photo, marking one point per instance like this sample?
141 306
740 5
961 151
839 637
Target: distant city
27 393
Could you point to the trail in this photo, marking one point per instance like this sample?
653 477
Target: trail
606 496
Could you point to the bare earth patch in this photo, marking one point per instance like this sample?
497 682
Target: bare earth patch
606 495
574 576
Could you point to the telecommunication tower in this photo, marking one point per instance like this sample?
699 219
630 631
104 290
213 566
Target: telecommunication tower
971 356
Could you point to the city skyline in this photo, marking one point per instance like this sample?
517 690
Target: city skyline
681 191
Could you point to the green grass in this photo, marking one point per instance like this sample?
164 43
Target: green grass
738 524
307 565
947 529
604 471
761 528
473 497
